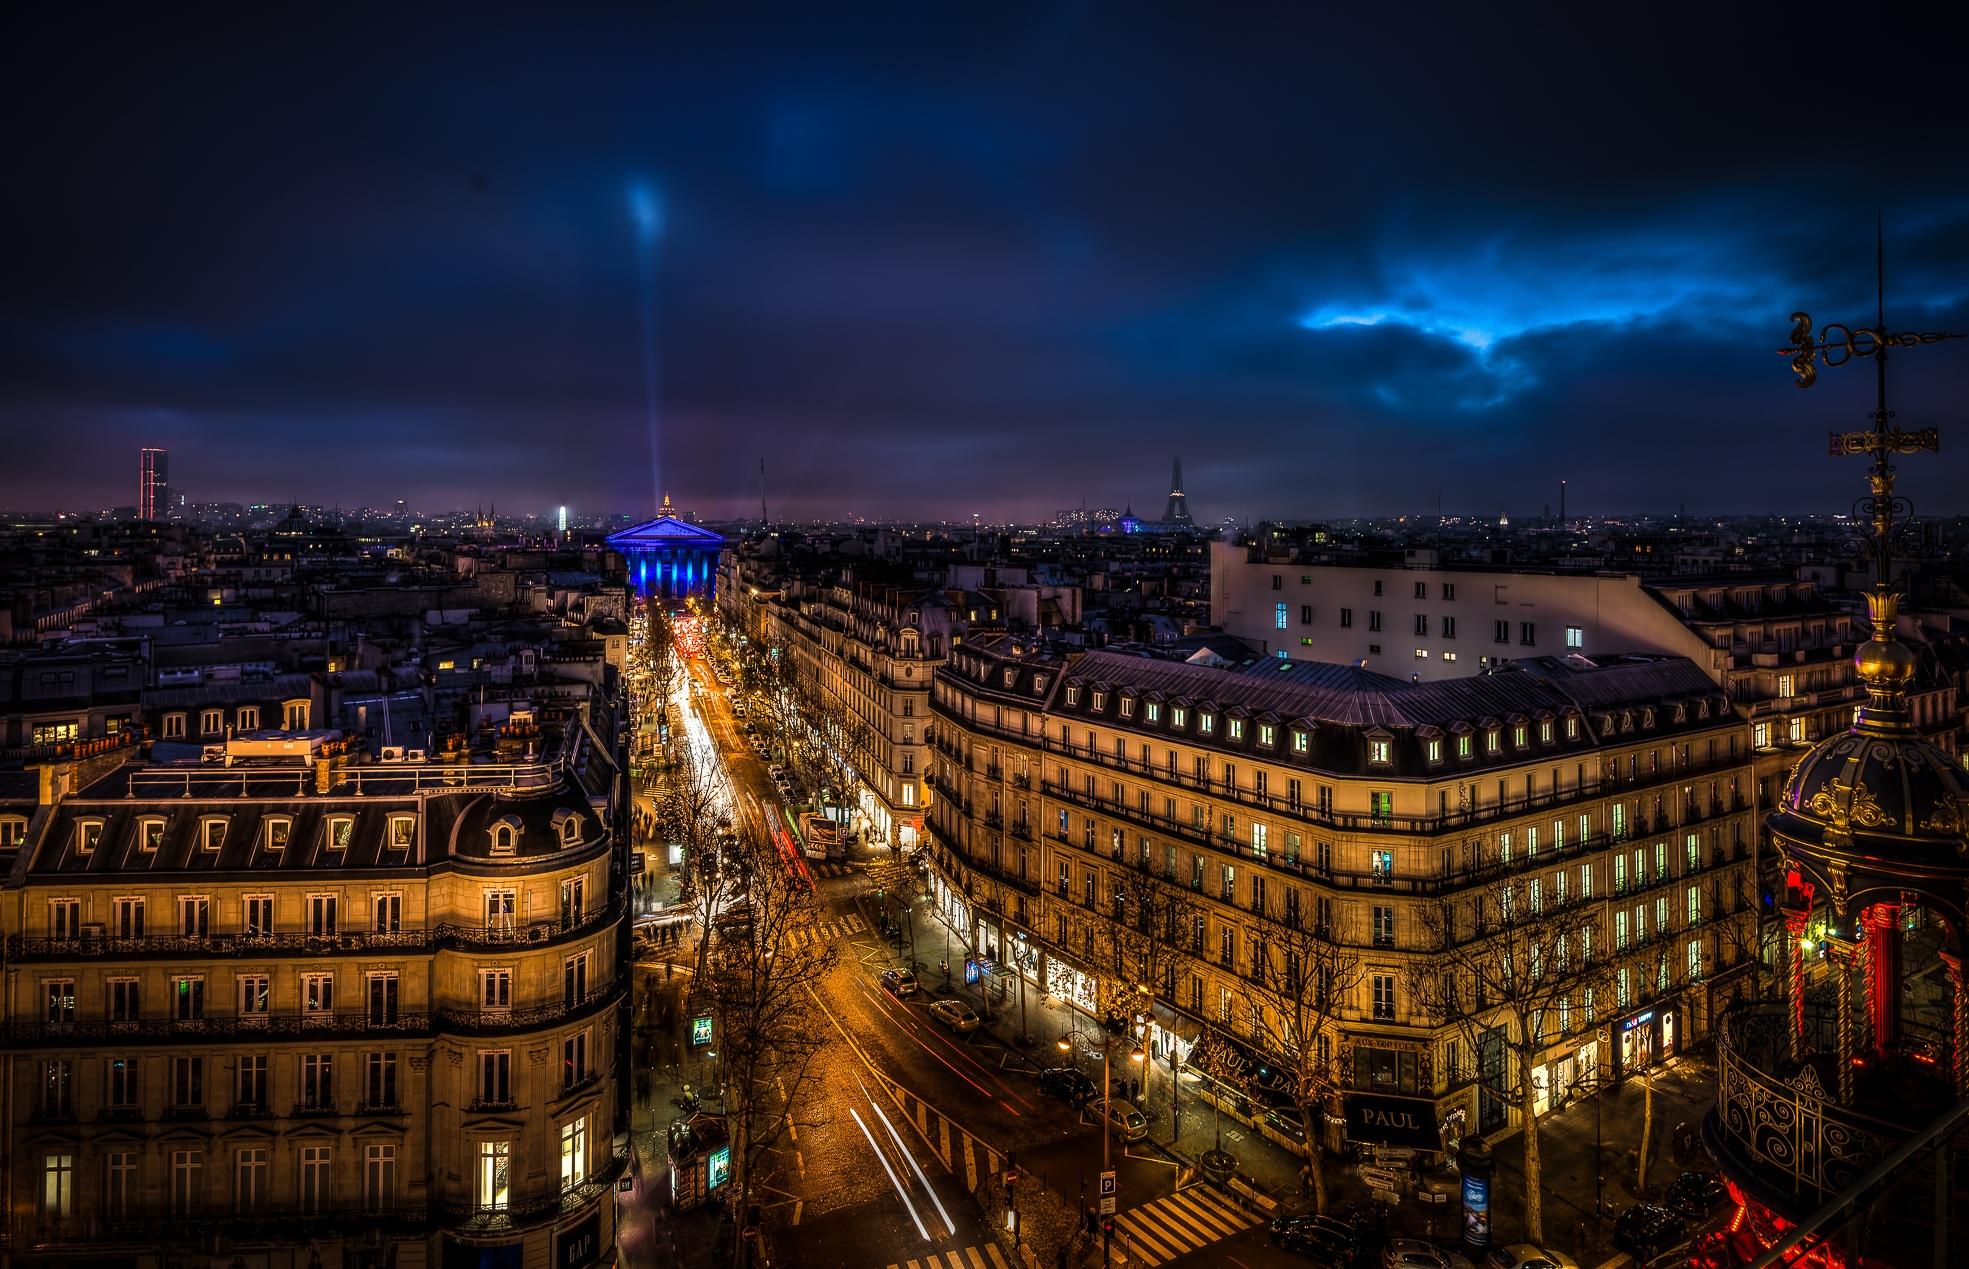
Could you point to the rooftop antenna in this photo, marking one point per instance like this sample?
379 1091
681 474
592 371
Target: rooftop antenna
764 522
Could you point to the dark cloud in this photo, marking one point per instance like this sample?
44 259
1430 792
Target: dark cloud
927 264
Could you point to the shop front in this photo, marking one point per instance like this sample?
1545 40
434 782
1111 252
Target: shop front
1064 981
1570 1072
1646 1038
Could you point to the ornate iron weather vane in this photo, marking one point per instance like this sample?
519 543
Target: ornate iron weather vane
1808 353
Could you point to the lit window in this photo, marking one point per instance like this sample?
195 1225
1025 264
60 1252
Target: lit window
1378 751
403 831
277 831
341 828
574 1153
1575 636
1281 616
495 1175
1237 729
212 833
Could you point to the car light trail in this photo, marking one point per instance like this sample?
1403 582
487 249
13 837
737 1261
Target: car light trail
893 1180
914 1166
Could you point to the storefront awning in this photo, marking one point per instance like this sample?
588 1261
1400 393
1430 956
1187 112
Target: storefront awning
1234 1065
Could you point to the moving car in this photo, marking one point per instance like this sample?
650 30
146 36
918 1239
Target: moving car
1325 1240
1413 1253
1696 1194
1527 1256
1067 1084
956 1015
899 982
1646 1230
1123 1120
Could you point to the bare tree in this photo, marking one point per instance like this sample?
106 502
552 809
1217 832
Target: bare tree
1300 977
661 664
1509 965
768 1029
691 811
1149 940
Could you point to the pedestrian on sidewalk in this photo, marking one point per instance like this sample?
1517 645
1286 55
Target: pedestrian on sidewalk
1306 1180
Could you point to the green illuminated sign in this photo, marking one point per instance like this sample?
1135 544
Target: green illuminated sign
720 1168
701 1030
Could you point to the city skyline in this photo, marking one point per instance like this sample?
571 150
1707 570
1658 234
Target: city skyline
921 267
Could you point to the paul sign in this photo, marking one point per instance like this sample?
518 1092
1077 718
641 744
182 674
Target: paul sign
1393 1121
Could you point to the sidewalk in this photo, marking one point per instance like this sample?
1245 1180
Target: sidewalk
1683 1092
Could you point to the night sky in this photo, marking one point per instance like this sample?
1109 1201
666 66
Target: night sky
928 266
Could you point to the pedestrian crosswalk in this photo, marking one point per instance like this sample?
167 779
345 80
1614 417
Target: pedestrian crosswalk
1176 1226
985 1256
832 868
822 932
958 1149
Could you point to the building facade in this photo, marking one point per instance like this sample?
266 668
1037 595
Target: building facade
870 651
317 1010
1288 798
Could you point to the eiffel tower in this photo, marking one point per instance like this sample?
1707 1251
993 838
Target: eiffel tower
1178 511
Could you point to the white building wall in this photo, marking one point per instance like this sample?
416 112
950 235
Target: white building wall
1331 612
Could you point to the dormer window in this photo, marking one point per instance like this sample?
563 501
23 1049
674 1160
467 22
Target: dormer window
1154 714
212 832
340 829
1463 745
1435 751
88 835
1379 753
1039 685
1073 695
211 722
1302 740
403 832
1100 701
505 834
13 830
1178 716
1493 741
1267 735
1206 723
249 718
1127 707
1011 678
1518 735
1545 732
1572 729
278 828
567 826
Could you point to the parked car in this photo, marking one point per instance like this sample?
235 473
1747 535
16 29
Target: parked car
1696 1194
899 982
1123 1120
956 1015
1068 1084
735 916
1413 1253
1646 1230
1326 1240
1527 1256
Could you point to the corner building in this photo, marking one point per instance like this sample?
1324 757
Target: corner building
318 1014
1295 795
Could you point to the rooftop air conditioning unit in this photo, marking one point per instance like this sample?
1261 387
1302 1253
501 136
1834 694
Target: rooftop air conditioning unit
413 755
391 753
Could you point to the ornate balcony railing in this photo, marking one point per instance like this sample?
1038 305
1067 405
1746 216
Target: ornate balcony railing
369 942
289 1026
1778 1121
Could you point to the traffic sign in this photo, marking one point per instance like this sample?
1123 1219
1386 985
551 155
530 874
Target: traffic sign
1107 1205
1107 1183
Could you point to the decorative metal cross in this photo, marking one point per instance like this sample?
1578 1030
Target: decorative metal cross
1808 352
